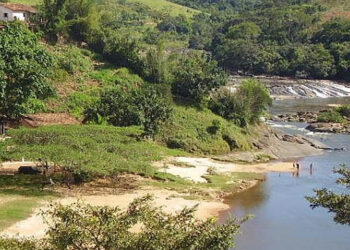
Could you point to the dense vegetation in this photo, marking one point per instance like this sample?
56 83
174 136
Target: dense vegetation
85 227
338 115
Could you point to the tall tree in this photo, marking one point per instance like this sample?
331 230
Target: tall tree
24 66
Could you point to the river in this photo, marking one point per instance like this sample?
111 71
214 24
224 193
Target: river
282 216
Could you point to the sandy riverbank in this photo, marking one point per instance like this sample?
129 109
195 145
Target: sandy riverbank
196 167
170 202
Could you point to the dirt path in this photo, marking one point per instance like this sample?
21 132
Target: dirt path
170 202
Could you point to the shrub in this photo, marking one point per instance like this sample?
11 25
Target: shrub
142 106
330 116
33 106
344 110
74 60
243 107
197 75
80 226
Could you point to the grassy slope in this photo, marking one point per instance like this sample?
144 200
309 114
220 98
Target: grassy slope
28 2
190 129
173 8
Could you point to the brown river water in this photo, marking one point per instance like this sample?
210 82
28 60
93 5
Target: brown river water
283 219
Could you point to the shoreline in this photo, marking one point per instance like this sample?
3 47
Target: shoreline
172 200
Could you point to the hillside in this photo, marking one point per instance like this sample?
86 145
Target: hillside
159 5
173 8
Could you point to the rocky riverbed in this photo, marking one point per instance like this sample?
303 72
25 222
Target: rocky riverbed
284 87
314 126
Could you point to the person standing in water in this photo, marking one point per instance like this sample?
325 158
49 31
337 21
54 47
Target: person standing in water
310 169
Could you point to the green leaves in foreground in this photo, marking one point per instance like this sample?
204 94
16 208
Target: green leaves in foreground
335 203
141 226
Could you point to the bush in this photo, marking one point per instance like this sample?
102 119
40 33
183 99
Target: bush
33 106
197 75
344 110
330 116
138 106
243 107
201 131
79 226
74 60
88 151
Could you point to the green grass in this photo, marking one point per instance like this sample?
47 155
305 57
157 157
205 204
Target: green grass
173 8
94 149
28 2
16 210
228 183
19 196
189 130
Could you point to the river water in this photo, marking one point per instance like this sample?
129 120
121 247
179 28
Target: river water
282 218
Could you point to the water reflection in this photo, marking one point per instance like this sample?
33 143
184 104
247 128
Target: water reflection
282 216
248 199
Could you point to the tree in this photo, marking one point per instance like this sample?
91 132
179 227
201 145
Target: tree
238 54
339 204
245 30
24 67
154 109
52 13
123 50
121 107
336 30
84 227
155 65
197 75
76 19
245 105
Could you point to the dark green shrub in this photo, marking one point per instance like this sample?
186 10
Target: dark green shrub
344 110
244 106
195 76
330 116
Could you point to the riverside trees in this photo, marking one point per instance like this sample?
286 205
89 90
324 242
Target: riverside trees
339 204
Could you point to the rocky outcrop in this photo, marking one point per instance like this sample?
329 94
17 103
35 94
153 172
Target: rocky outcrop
296 117
329 127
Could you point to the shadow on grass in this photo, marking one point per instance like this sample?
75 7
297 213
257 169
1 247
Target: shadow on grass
24 185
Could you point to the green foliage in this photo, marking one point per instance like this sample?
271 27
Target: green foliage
122 50
155 69
24 67
245 30
122 107
95 150
197 75
33 106
243 107
339 204
73 60
193 130
334 31
85 227
344 110
330 116
71 18
77 103
17 244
